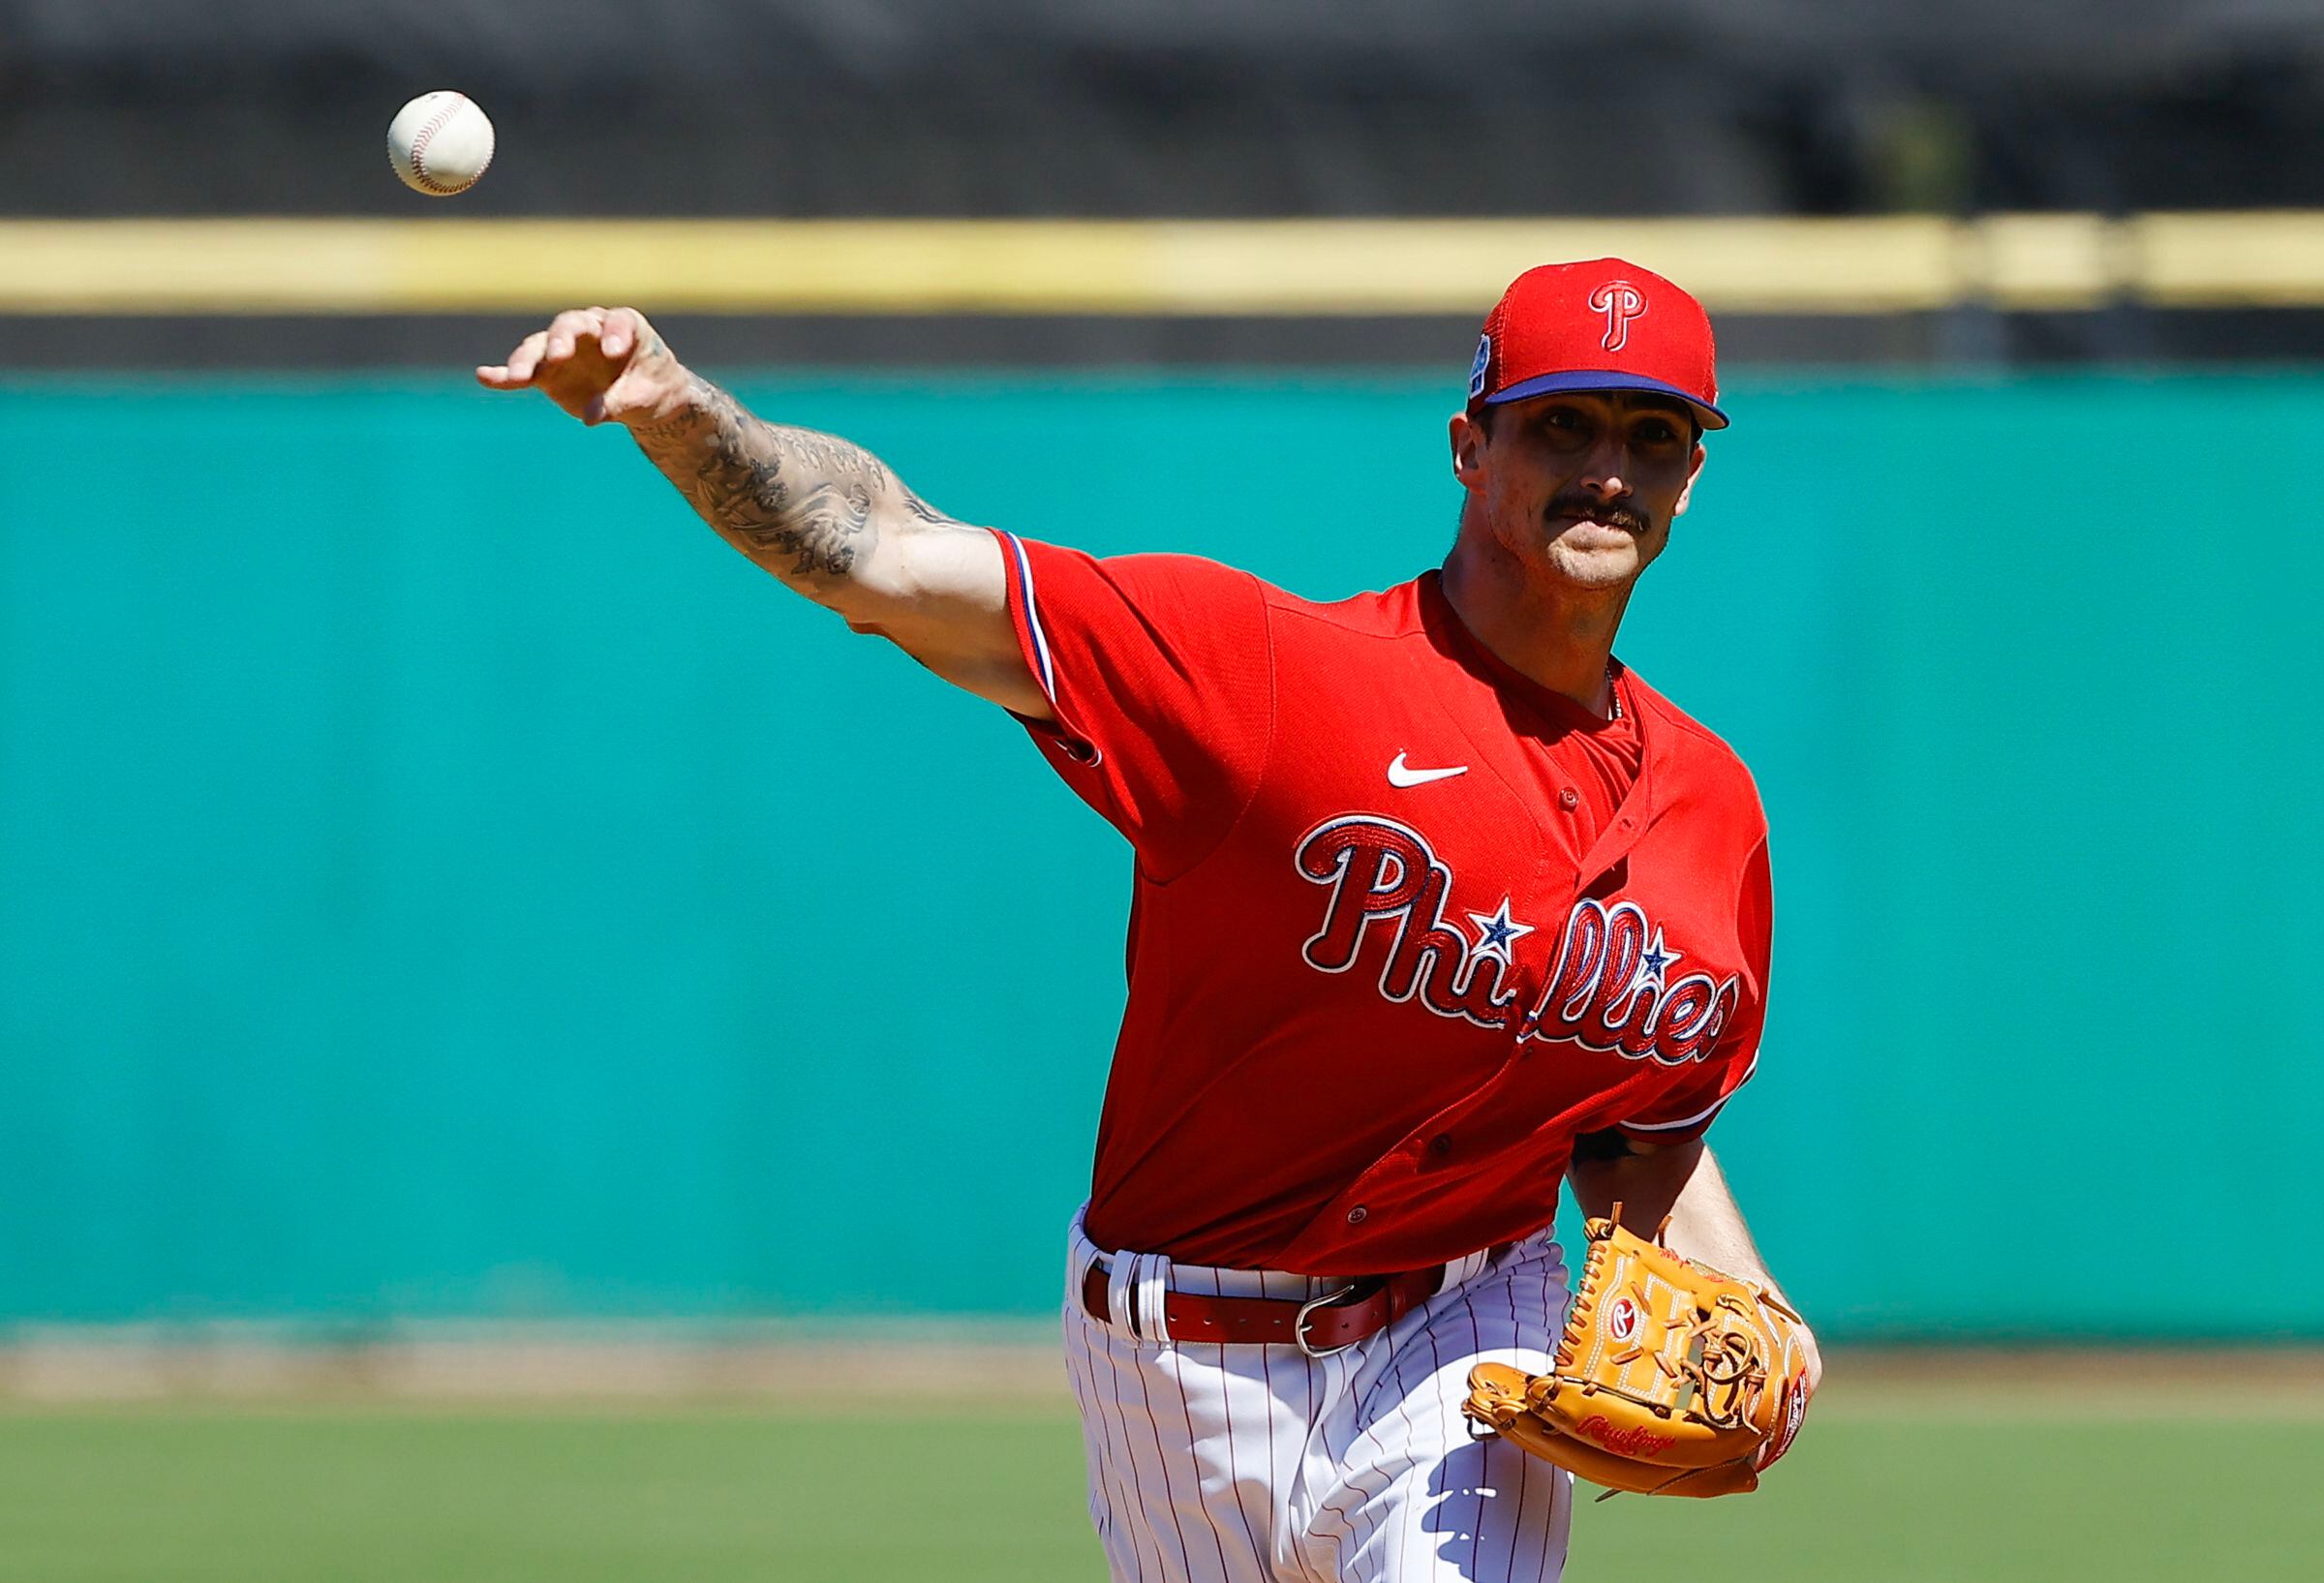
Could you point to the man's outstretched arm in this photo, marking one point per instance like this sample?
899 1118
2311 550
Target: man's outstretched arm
824 515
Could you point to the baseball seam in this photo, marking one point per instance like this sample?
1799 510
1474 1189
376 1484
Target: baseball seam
419 148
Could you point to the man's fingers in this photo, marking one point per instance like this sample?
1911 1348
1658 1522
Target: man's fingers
525 360
569 328
622 326
518 369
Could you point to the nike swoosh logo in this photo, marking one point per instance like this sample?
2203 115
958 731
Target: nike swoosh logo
1399 774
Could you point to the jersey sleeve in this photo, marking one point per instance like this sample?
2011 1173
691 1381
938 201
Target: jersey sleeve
1159 671
1685 1112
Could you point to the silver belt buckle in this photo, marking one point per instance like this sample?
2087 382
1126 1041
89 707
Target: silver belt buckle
1298 1327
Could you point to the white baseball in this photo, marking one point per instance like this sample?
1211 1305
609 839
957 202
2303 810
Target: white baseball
440 144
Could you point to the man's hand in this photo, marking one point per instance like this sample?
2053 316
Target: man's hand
598 364
1807 1342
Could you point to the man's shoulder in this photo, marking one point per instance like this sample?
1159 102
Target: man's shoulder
1701 754
1389 612
1165 587
1166 567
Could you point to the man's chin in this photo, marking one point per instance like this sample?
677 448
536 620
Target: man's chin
1596 563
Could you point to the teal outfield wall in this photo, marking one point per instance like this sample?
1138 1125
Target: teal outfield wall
438 879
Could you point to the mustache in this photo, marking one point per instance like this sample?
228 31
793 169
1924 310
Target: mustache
1576 504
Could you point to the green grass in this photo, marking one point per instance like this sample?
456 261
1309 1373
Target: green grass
356 1494
1924 1499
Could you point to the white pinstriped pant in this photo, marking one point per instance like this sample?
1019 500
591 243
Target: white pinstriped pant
1246 1462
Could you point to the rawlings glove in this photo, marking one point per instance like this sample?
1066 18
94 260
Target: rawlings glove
1670 1378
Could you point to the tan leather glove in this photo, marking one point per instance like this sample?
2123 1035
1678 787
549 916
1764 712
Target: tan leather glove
1671 1379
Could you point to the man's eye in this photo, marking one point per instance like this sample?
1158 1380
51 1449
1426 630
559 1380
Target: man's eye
1656 434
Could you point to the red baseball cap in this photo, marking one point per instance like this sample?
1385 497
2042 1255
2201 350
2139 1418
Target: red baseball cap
1599 326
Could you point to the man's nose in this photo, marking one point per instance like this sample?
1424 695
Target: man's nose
1607 470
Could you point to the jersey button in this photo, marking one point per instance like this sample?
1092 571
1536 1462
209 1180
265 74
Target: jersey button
1441 1144
1358 1215
1568 799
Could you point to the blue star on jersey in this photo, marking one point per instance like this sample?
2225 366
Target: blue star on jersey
1654 960
1496 930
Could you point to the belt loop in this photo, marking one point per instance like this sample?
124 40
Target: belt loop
1121 1269
1154 1288
1081 1254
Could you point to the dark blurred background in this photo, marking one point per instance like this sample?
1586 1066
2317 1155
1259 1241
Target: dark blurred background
1187 107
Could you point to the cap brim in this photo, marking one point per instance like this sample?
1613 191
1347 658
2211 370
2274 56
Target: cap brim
1601 379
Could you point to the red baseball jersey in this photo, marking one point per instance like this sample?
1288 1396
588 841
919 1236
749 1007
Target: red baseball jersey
1404 922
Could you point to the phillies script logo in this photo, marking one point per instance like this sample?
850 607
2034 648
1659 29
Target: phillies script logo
1609 987
1620 302
1639 1441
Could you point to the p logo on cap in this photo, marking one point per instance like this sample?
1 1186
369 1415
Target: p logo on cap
1602 324
1620 302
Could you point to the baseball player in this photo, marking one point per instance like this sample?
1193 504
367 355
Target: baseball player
1437 905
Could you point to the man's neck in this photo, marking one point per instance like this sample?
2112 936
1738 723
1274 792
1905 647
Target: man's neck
1561 638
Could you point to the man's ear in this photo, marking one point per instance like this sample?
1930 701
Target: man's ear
1468 450
1693 472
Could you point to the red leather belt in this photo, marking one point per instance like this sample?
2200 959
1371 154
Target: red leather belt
1317 1326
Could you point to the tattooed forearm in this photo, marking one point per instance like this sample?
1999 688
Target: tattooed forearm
799 503
925 512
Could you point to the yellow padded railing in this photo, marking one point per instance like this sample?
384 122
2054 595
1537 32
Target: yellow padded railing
440 264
